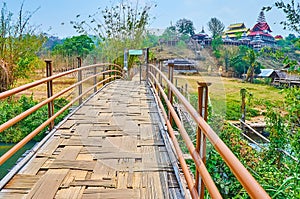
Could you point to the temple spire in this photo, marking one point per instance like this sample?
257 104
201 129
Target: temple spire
202 31
261 18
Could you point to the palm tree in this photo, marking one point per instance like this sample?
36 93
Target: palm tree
250 57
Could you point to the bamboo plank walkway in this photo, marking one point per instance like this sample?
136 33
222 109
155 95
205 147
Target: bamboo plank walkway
110 148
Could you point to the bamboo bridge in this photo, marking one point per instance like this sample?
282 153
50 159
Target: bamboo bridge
118 141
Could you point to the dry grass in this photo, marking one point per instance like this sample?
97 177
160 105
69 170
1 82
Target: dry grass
40 92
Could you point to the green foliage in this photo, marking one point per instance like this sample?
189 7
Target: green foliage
150 40
10 108
278 136
265 81
228 186
278 174
292 119
181 44
170 33
120 26
18 47
75 46
216 45
291 10
254 65
246 61
233 111
185 27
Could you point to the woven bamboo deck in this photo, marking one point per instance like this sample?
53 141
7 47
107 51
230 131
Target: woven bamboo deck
110 148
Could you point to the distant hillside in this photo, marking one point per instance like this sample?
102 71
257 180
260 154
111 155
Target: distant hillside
204 58
207 62
52 41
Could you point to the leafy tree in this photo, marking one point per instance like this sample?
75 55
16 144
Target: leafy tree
227 53
254 66
75 46
216 45
19 46
292 11
170 33
185 27
216 27
246 61
150 40
291 37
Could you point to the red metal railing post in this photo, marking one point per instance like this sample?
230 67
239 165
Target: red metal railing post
49 72
159 75
114 73
103 75
155 73
160 68
170 93
147 65
95 78
201 139
109 68
79 79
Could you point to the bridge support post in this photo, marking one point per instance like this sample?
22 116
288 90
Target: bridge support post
170 93
95 78
79 79
49 72
201 139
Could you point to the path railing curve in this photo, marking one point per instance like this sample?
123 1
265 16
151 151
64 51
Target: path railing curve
101 74
158 80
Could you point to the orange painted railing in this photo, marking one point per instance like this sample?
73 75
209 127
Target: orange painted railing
203 178
109 72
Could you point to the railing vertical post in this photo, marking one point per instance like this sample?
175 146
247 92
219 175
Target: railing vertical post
201 139
140 66
103 75
186 91
49 72
95 78
114 73
170 93
243 108
160 68
79 78
155 74
109 68
147 65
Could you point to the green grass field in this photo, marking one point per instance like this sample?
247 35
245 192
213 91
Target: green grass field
225 95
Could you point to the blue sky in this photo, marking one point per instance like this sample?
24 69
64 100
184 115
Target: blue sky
54 12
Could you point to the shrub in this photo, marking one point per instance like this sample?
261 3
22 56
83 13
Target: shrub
10 108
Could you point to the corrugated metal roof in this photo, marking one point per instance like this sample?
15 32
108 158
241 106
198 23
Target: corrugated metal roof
265 72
